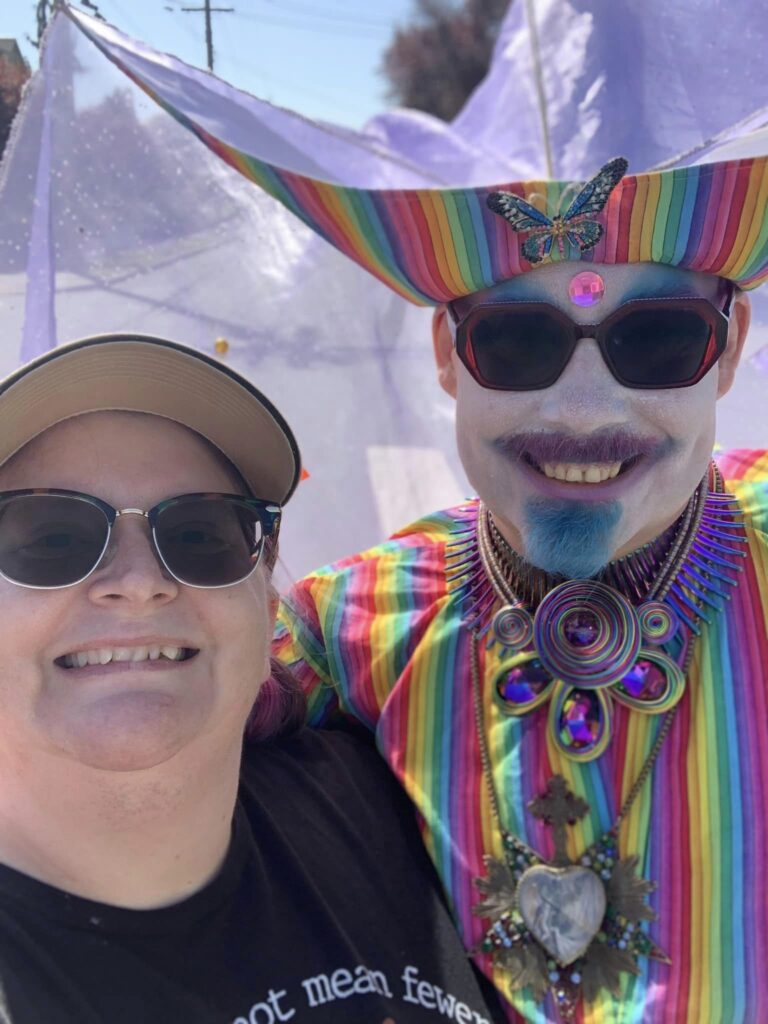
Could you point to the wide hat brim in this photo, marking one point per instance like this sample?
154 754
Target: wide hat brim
139 373
435 245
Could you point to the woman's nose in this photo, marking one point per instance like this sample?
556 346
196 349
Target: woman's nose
131 570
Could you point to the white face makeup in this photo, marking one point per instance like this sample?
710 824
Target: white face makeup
587 469
126 669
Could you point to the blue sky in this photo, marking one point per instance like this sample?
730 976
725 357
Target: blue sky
319 57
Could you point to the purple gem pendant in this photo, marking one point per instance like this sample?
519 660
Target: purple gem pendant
585 648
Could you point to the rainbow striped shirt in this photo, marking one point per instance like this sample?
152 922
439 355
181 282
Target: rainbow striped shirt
380 637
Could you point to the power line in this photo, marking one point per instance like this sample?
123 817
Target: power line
288 6
268 81
125 19
303 25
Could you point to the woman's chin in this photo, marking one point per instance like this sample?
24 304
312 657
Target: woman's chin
127 732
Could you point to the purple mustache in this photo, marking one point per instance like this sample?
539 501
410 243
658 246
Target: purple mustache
603 446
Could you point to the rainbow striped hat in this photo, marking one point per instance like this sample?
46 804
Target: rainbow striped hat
434 245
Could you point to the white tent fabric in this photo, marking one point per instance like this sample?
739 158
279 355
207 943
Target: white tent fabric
114 217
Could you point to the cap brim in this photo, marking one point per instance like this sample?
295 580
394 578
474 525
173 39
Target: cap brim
139 373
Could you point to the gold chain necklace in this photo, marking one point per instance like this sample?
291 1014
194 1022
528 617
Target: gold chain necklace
594 933
569 928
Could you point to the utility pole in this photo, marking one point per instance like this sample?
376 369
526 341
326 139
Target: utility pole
208 10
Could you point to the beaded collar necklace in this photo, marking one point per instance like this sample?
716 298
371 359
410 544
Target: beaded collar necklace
580 645
574 928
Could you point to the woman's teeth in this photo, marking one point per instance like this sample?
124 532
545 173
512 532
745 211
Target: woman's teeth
580 473
105 655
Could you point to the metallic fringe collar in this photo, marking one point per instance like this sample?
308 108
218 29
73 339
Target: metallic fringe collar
698 587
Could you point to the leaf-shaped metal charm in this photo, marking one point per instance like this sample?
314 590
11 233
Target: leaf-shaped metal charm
527 966
536 975
498 887
603 969
627 892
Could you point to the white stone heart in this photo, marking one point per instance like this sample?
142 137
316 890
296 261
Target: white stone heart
563 908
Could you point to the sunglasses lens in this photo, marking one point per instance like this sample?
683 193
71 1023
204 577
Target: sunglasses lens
209 542
660 347
517 350
50 540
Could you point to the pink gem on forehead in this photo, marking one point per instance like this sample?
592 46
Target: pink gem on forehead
586 289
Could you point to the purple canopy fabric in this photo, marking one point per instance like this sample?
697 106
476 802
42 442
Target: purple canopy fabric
114 217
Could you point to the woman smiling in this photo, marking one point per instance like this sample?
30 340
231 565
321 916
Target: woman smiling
153 868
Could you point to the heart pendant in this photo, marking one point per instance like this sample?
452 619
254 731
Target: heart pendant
563 908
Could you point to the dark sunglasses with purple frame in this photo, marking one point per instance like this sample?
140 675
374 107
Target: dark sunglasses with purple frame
649 343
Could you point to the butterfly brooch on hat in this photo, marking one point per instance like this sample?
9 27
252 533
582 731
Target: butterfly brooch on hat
574 226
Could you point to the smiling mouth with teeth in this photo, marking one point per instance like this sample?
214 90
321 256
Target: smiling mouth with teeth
113 655
581 472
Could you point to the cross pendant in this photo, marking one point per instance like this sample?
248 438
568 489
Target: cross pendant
558 807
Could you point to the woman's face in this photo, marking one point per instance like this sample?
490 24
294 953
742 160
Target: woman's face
128 715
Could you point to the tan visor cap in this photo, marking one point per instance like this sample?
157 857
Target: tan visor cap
139 373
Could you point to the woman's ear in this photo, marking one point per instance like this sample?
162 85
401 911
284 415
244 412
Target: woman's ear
444 351
738 327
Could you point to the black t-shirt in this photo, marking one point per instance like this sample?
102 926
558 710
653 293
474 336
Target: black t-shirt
326 911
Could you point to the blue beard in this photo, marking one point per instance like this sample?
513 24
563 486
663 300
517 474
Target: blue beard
570 538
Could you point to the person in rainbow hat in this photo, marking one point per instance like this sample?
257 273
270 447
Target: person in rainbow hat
568 673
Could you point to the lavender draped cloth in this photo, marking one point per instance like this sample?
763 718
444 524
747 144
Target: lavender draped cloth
114 217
